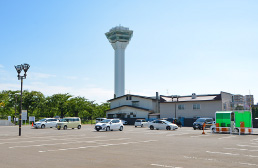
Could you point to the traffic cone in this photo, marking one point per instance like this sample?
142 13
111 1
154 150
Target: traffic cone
203 126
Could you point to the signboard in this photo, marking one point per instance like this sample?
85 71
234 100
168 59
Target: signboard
9 118
32 118
24 115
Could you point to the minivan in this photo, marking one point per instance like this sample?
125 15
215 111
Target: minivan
69 122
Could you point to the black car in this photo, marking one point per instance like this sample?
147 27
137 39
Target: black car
198 124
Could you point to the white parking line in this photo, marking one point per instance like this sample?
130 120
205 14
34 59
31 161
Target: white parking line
221 161
160 165
197 136
74 142
227 137
247 146
177 134
223 153
46 140
249 164
105 145
241 149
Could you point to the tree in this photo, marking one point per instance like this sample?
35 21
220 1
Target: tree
58 103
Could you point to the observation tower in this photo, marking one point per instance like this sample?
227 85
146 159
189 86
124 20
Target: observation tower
119 38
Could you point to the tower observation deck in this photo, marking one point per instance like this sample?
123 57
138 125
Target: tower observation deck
119 38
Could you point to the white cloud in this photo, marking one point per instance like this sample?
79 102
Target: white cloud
37 76
1 66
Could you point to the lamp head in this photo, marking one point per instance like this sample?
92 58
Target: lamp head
19 68
26 67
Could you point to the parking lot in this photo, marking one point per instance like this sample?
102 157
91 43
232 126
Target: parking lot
132 147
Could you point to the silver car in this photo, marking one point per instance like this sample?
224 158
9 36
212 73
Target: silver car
46 123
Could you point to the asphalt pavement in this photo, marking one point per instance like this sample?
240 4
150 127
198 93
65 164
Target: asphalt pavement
132 148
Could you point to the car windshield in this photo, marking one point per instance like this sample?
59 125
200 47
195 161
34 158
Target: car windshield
138 121
105 121
200 120
42 120
63 120
167 122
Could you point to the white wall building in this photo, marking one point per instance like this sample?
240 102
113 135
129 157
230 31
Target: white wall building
194 106
131 107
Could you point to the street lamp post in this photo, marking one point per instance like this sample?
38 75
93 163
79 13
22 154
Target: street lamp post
19 68
15 110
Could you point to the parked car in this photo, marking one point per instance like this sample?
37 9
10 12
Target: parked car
69 122
198 124
162 124
45 123
124 122
100 119
141 123
175 121
109 125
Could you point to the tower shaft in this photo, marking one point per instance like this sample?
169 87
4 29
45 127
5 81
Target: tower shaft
119 80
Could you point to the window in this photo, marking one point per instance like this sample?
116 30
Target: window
196 106
181 107
110 115
225 106
135 103
128 97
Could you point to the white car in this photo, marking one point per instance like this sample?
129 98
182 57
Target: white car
124 122
162 124
100 119
109 125
46 123
141 123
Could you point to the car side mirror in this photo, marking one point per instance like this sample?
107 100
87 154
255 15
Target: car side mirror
46 121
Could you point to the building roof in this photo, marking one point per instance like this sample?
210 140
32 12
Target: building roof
171 99
144 97
130 107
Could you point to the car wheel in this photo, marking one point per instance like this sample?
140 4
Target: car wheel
97 129
142 125
108 129
135 126
65 127
168 128
79 126
43 126
121 128
151 127
236 130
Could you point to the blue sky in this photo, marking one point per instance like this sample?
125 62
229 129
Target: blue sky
178 47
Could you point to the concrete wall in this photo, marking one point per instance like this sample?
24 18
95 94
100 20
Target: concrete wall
226 101
207 109
6 123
